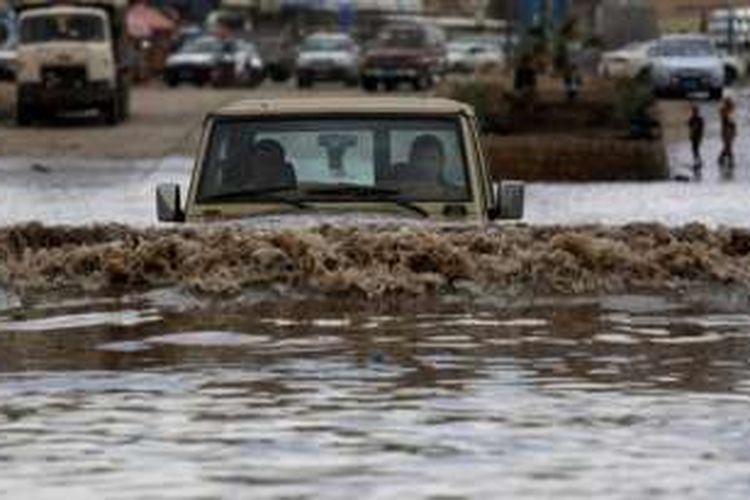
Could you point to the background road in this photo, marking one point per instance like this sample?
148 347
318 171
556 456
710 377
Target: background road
164 122
79 171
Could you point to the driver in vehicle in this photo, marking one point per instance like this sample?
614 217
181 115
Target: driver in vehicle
269 168
426 169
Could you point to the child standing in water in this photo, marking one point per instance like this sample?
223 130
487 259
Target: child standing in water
697 125
728 133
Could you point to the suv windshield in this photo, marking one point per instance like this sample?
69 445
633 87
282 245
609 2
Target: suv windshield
402 37
73 27
203 46
326 44
338 160
684 48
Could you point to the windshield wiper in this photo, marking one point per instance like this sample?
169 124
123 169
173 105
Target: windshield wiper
384 195
267 194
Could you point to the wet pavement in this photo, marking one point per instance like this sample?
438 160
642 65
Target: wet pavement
74 191
162 394
620 397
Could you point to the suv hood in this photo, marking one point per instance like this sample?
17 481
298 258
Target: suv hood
339 56
296 221
389 52
197 59
690 63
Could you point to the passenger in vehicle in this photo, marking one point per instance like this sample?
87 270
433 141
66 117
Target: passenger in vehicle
427 158
269 166
425 171
236 172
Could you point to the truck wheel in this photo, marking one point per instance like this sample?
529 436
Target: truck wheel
124 104
279 73
255 78
23 115
304 81
370 84
111 112
716 94
731 75
390 86
171 81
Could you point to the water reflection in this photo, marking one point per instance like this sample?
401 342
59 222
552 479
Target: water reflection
540 399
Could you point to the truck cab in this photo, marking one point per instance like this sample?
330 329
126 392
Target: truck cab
417 158
69 59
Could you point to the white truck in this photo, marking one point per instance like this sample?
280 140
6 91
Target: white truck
71 56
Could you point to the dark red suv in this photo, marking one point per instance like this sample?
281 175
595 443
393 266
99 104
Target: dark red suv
413 53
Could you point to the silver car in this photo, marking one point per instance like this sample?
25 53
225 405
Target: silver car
687 64
328 57
468 54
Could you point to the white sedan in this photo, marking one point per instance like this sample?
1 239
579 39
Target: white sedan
686 64
468 54
627 62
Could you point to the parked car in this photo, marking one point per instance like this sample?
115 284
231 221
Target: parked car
8 62
635 60
687 64
414 159
735 67
8 47
328 57
279 52
408 52
468 54
185 35
217 61
629 61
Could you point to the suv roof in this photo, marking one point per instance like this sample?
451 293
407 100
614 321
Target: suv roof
333 35
345 105
62 9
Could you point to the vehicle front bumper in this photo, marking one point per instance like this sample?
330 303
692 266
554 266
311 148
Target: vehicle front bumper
687 83
7 69
189 72
82 96
393 74
330 72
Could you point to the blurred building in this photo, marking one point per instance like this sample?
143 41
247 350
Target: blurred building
277 6
619 22
530 12
691 15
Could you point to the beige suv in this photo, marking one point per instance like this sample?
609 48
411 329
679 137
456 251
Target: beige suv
411 157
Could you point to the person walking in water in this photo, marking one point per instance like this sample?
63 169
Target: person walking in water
696 125
728 133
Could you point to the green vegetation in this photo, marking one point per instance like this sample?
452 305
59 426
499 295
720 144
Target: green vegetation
609 133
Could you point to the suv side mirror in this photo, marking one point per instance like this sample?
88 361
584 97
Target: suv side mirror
509 201
169 204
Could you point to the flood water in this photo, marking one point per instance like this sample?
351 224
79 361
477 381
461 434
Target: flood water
164 395
74 191
149 397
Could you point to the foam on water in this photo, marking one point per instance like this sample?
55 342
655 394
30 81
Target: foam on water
77 321
231 262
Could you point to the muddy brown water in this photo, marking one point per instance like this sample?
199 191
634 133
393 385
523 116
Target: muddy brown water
155 396
362 363
525 363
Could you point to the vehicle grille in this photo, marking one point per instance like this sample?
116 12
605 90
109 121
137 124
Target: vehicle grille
64 76
692 73
390 62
